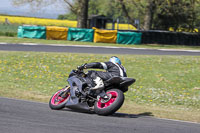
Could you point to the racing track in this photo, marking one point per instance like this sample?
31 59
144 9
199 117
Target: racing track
94 50
18 116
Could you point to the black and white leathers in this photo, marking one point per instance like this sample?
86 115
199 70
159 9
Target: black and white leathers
112 69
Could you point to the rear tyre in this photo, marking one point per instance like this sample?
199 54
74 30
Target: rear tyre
59 99
110 105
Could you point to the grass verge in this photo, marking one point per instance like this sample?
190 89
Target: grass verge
166 86
8 30
65 42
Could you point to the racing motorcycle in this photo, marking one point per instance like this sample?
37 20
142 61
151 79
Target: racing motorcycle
79 96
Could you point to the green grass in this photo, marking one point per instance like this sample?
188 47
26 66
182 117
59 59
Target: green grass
8 30
165 84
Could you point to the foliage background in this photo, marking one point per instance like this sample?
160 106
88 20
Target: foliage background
17 20
165 14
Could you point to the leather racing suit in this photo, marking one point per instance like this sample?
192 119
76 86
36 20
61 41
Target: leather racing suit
112 70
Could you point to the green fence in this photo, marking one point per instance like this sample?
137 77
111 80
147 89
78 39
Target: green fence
38 32
129 37
78 34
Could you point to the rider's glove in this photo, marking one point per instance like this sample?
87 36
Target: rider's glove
81 67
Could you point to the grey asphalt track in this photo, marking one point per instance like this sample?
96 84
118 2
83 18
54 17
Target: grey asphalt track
19 116
94 50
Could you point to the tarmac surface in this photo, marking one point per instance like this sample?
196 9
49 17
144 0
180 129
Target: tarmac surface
94 49
19 116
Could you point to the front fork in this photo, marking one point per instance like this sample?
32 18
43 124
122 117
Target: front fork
64 92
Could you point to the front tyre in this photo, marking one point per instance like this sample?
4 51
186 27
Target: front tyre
110 105
59 99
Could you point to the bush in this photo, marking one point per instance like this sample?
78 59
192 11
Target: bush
8 30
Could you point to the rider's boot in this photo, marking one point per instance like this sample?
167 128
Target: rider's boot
99 84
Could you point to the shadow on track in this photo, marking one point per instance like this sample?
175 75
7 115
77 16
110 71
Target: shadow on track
117 114
124 115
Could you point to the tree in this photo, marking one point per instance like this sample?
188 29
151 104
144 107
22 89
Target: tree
109 8
153 14
163 14
126 10
82 13
146 9
175 14
131 20
78 7
150 11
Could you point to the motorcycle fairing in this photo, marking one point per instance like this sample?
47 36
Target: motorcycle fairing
75 86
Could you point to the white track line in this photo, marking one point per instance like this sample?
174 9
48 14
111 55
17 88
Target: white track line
177 120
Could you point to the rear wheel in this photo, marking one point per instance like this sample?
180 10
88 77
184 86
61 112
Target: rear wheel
59 99
111 104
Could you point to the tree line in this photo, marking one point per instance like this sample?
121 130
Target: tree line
152 14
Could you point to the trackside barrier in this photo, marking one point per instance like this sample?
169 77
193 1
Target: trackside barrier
105 36
110 36
56 33
79 34
20 32
170 38
129 37
38 32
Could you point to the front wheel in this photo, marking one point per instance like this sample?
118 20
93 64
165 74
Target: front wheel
111 104
59 99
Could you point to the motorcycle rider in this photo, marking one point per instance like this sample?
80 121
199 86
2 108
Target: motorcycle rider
113 69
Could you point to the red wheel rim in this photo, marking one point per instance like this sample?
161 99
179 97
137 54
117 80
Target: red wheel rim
113 96
56 99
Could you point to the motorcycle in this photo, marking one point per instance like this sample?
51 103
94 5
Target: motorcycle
79 96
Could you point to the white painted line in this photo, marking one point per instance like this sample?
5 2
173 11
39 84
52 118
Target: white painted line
3 43
177 120
30 44
179 50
